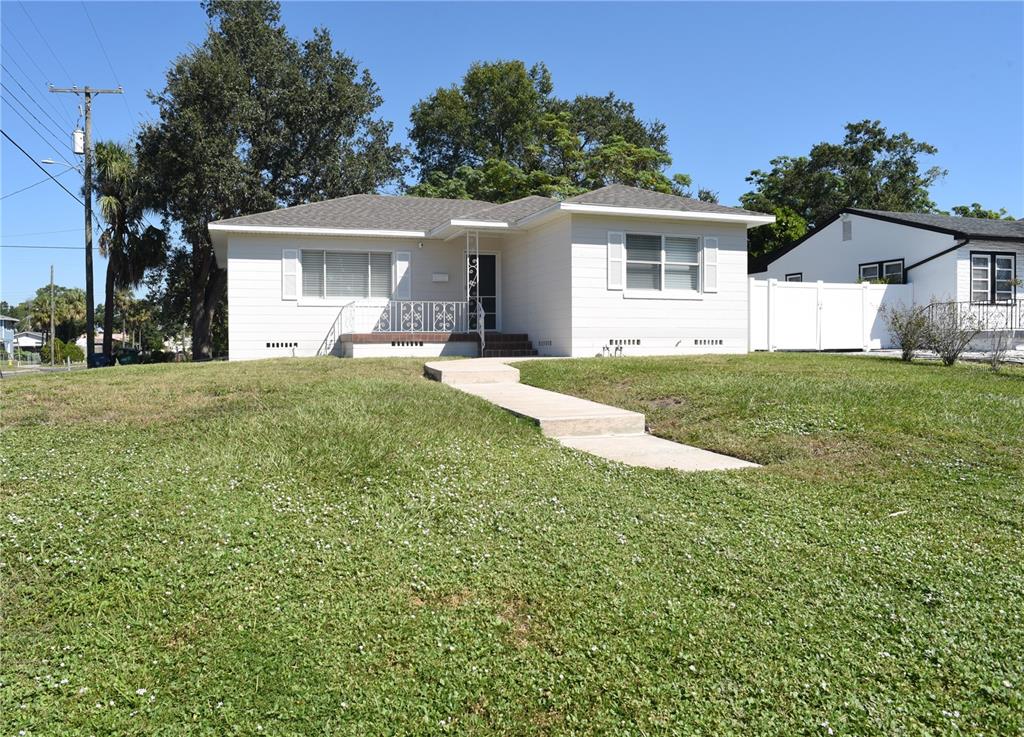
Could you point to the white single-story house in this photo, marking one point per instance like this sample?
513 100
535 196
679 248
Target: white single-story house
28 340
973 262
616 270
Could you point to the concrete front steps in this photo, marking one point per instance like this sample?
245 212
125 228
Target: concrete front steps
600 429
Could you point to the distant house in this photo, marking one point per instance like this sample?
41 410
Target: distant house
7 327
81 341
28 341
971 261
619 269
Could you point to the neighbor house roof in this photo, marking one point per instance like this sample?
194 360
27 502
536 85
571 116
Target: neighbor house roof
961 227
974 230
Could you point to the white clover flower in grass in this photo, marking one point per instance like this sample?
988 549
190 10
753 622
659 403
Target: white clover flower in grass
140 692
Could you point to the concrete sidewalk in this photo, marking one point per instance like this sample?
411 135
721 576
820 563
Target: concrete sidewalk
600 429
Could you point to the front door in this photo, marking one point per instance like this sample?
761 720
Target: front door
485 288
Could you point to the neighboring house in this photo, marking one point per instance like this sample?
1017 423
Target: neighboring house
28 341
82 340
7 327
971 261
618 269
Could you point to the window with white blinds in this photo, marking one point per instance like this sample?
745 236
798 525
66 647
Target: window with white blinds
342 274
662 263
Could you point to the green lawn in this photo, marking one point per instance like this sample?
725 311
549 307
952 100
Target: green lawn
324 546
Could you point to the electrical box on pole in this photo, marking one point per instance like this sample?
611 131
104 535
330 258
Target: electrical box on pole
78 141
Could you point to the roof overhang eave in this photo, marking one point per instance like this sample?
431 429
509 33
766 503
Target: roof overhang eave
750 220
456 227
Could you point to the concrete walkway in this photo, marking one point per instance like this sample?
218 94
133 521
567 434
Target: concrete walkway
600 429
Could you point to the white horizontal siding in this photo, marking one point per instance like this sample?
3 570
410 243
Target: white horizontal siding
535 287
825 256
714 323
257 315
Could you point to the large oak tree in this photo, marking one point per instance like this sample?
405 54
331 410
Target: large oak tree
870 168
251 120
502 134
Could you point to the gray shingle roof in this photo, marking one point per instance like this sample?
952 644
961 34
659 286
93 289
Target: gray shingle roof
514 210
384 212
365 211
620 195
965 227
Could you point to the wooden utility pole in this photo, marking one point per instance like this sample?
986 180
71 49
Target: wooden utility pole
90 307
51 316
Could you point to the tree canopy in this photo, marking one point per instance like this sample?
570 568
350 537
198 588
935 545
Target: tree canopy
502 134
251 120
870 168
975 210
69 311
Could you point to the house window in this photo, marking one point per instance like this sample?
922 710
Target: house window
883 272
992 277
795 277
869 272
334 274
662 263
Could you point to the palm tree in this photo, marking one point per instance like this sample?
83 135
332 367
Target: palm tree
130 245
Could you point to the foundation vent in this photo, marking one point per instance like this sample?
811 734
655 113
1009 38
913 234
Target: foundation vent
543 343
278 344
708 341
624 341
406 343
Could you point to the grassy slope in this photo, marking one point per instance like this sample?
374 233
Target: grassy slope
340 547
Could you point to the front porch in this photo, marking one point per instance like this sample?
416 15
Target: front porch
419 328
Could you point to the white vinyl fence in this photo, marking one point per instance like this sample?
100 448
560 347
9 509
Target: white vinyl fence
820 316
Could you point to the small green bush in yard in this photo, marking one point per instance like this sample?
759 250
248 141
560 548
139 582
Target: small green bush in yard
324 546
72 351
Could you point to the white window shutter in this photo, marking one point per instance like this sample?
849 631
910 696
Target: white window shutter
616 259
403 275
290 273
709 265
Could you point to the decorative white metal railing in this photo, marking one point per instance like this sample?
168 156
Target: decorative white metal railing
397 316
982 316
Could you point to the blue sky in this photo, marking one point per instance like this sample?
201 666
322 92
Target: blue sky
736 84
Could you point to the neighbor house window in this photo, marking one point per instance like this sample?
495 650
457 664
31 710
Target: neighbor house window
886 272
795 277
338 274
992 277
869 272
662 263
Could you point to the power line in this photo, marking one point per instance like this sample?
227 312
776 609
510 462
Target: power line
60 110
67 74
56 136
49 248
45 232
29 96
36 184
40 167
48 142
103 48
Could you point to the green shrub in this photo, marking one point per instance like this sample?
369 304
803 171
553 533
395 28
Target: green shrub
57 347
72 351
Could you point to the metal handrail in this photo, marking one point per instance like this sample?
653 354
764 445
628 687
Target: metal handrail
986 316
399 316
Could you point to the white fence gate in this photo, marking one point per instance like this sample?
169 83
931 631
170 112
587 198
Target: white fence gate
820 316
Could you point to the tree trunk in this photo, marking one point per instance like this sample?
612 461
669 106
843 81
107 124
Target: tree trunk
108 309
208 282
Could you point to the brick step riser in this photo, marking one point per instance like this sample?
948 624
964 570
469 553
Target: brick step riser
524 345
488 353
